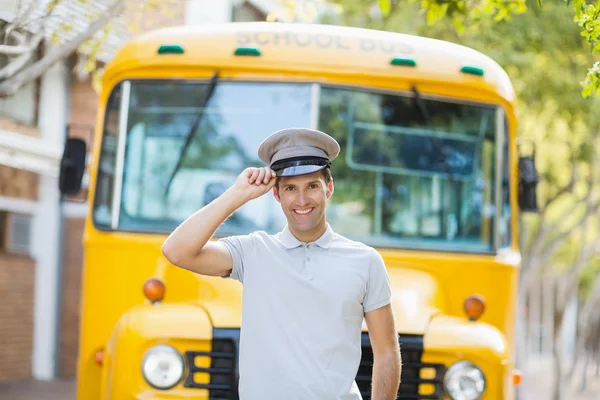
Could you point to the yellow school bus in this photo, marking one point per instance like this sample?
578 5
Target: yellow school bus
429 174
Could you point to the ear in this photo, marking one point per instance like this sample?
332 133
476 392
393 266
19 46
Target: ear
330 188
276 193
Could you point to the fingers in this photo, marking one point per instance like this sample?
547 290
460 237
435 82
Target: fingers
272 182
269 174
253 175
260 176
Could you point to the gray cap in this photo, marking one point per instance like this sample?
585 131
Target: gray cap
298 151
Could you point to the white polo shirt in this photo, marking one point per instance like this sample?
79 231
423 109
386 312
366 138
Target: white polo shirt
302 312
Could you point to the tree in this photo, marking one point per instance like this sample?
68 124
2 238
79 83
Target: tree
45 32
589 325
468 12
23 37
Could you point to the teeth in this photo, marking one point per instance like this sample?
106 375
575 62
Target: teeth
303 211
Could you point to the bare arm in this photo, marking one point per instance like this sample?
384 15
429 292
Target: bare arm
188 246
387 365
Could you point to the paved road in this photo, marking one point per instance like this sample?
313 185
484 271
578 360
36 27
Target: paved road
536 387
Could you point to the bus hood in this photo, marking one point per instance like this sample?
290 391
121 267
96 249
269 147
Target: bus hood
416 297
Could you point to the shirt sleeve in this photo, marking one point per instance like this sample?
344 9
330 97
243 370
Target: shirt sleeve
379 291
239 247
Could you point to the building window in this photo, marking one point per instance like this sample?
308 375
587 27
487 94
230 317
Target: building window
15 233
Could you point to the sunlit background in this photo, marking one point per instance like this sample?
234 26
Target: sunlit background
52 54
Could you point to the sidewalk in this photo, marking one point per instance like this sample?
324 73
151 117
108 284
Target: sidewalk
537 382
37 390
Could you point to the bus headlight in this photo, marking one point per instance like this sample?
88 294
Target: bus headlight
464 381
162 367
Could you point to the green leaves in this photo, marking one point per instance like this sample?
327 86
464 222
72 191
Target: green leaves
458 25
51 4
578 7
469 15
589 22
436 12
587 16
591 84
585 152
385 6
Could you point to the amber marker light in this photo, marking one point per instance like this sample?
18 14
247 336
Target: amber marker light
517 377
99 357
154 290
474 306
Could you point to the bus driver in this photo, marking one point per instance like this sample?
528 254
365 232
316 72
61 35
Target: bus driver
306 289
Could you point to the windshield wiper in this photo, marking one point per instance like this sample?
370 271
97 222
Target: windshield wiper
436 143
193 128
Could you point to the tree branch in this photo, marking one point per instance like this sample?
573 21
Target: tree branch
14 66
585 254
18 36
545 229
10 86
18 49
557 241
543 248
591 209
568 188
543 257
19 19
590 306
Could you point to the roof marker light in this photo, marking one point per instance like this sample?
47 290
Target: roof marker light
467 69
405 62
170 49
247 51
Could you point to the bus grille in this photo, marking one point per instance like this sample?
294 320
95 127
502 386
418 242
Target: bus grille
223 383
223 372
415 374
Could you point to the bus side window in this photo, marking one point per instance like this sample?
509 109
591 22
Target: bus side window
108 161
505 223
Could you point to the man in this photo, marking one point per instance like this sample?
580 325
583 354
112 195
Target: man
306 289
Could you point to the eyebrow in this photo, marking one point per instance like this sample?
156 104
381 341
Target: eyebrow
294 185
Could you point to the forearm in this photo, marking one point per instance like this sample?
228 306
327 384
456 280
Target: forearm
188 239
386 376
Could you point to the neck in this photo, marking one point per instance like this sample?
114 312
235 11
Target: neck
311 235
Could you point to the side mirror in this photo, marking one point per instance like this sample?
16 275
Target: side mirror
528 180
72 166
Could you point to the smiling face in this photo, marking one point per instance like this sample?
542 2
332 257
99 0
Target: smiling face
303 200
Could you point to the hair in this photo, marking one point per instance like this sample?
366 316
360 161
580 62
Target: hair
326 172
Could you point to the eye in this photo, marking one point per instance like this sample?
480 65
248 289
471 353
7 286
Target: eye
314 186
289 188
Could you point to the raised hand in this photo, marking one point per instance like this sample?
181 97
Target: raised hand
254 182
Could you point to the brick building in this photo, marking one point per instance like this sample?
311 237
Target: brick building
41 233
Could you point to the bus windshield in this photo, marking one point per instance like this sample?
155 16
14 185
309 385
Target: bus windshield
413 171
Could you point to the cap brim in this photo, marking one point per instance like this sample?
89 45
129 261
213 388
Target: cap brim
297 170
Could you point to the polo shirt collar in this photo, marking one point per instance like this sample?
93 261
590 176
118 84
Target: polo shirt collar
290 241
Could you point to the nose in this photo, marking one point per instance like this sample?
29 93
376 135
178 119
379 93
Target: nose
302 198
